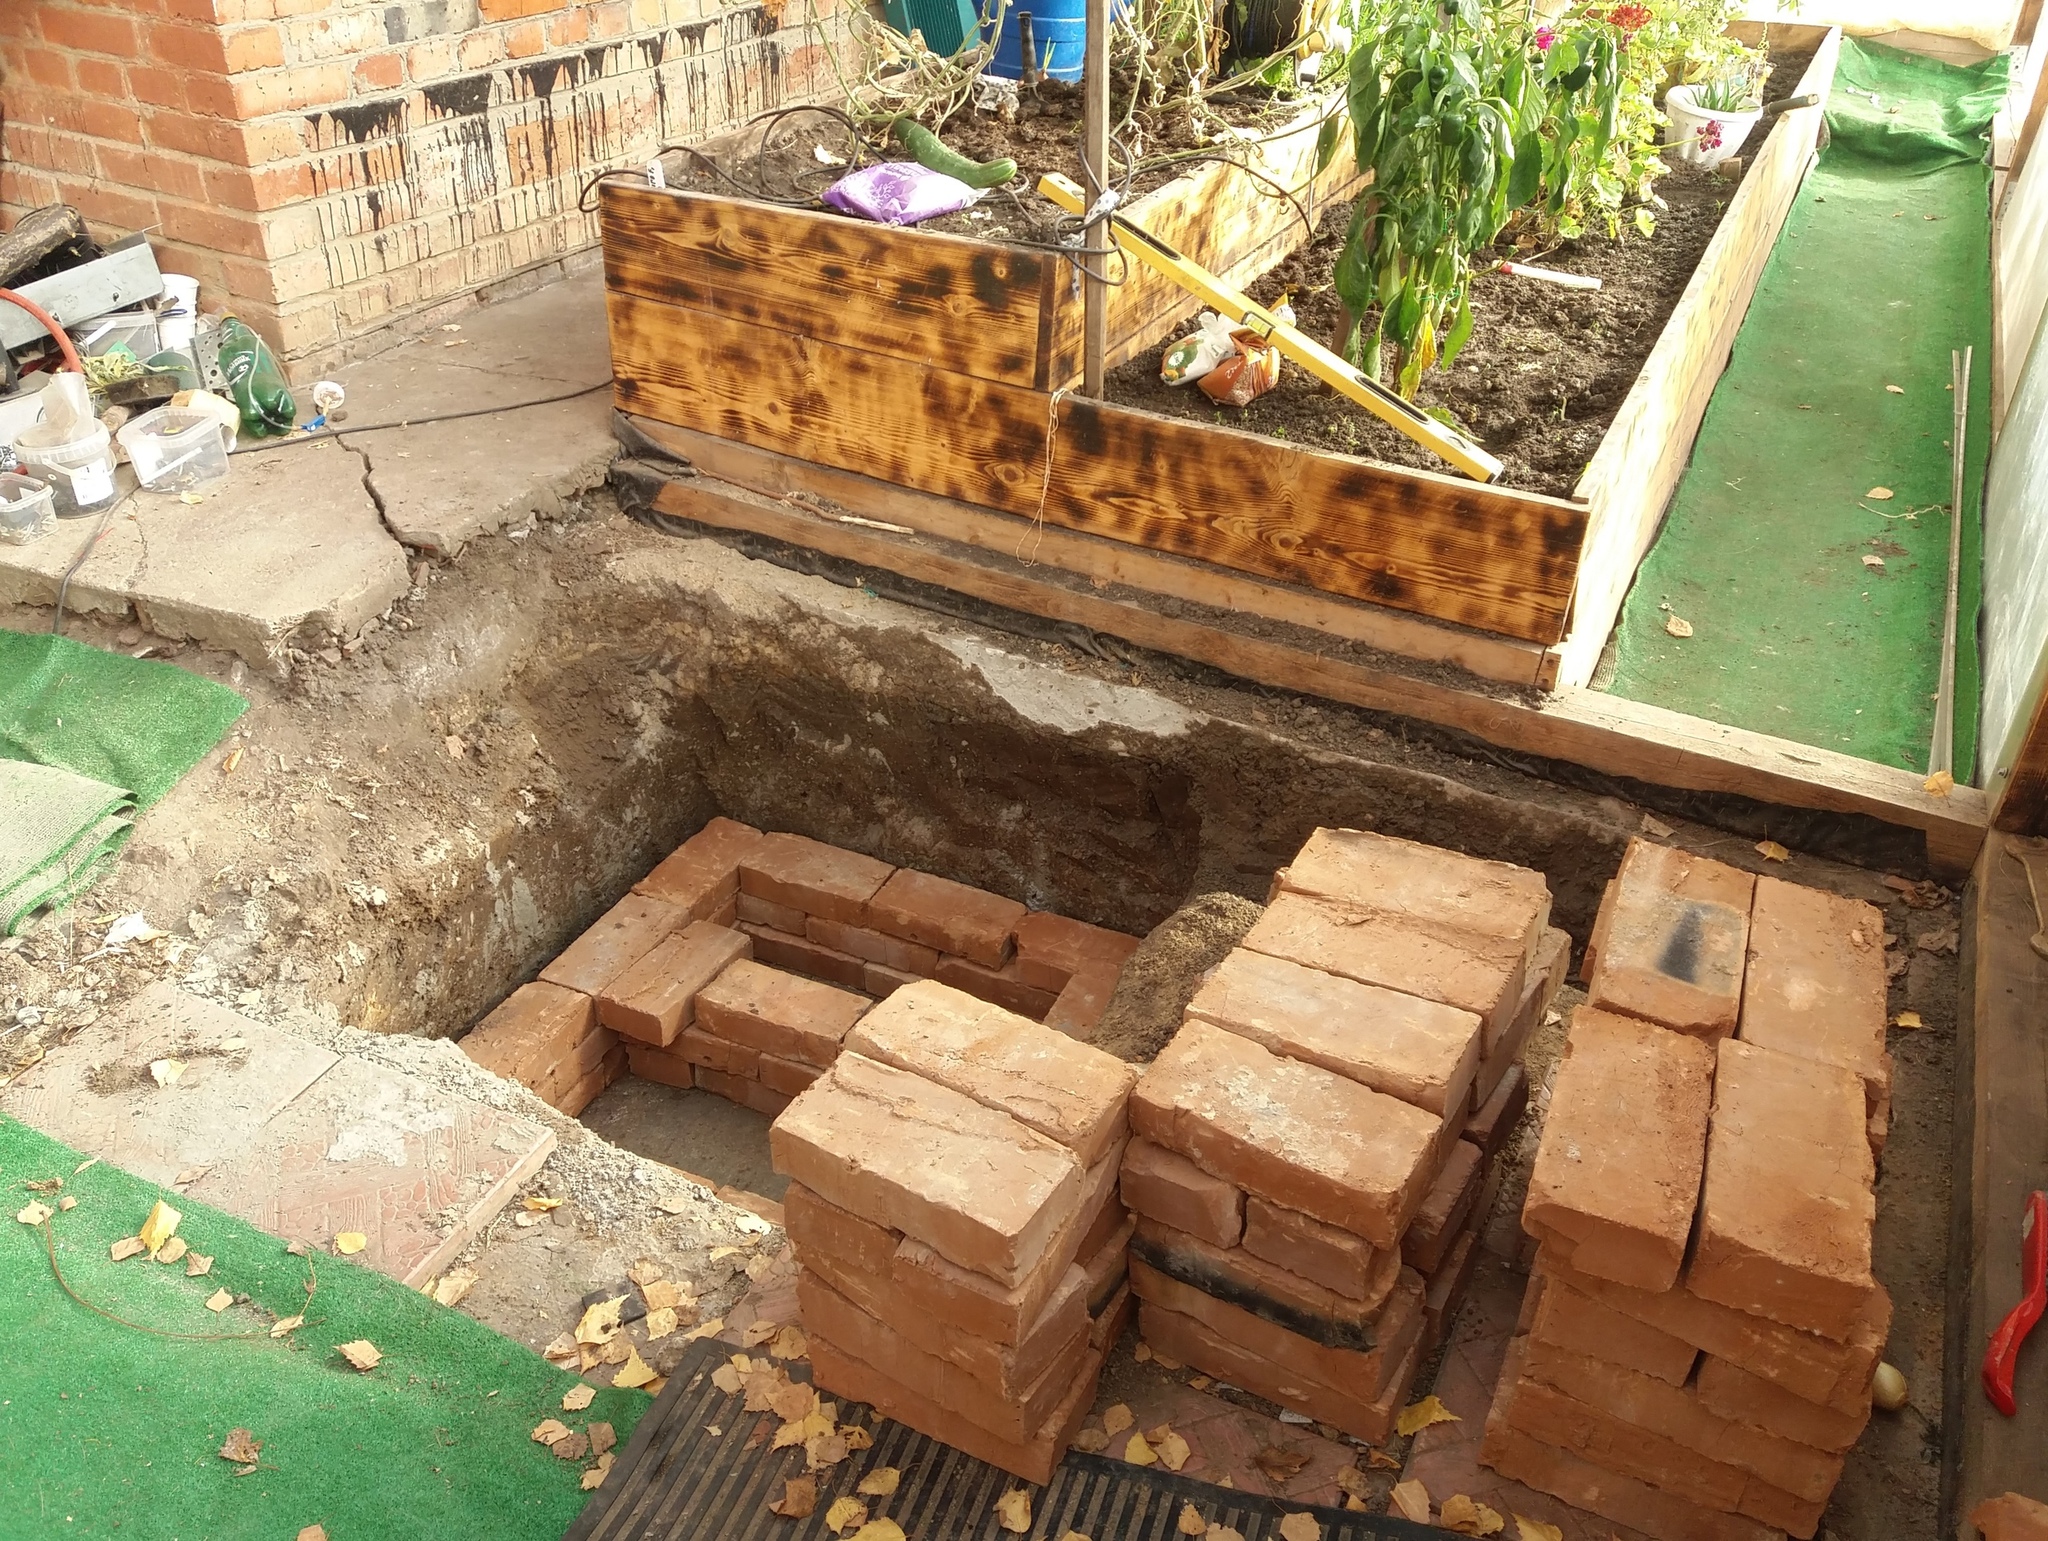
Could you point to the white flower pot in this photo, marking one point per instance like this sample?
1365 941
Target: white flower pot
1690 132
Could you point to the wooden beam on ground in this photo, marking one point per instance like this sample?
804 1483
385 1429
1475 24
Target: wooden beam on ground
1603 733
2000 1156
1104 562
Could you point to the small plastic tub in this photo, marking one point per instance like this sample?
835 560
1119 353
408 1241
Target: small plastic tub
27 509
175 449
78 465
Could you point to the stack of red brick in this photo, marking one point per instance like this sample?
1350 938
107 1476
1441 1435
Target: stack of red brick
697 977
1702 1328
1307 1209
953 1209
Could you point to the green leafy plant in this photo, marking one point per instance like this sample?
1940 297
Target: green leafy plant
1728 93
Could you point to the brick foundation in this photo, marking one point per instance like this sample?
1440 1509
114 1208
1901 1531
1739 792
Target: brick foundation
342 175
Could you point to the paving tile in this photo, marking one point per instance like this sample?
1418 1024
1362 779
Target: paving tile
417 1170
95 1093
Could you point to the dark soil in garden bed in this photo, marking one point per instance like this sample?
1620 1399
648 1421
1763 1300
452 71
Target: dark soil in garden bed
1542 377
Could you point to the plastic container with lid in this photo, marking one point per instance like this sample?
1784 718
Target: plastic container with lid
27 509
77 462
176 449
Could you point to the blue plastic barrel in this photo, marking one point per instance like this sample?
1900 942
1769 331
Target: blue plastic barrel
1059 33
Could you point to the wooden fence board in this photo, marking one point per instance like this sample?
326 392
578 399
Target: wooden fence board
1475 555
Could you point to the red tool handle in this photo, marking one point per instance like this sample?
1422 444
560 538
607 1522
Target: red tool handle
2002 1356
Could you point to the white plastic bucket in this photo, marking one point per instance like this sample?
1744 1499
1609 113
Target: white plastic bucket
178 319
1702 138
176 449
27 509
77 463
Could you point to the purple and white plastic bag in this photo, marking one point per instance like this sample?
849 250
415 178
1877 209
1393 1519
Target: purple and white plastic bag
900 193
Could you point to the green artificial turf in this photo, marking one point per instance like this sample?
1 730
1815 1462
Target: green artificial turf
106 1431
1883 267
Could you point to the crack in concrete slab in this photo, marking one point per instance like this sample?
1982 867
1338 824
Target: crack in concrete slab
376 498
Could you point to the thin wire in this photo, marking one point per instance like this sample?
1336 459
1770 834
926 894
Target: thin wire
84 551
50 1242
333 431
1052 428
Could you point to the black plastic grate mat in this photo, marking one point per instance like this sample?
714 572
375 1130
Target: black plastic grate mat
678 1481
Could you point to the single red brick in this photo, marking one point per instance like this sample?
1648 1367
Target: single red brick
1105 1268
1004 987
664 1066
1566 1319
815 1225
1732 1392
894 1148
713 1051
726 915
1811 1367
530 1028
779 1014
1787 1209
1680 1413
1442 1216
1617 1176
1447 1288
1480 974
1011 1372
776 917
1043 1079
745 1090
843 1375
946 916
753 1203
1500 1115
1669 942
1051 949
703 872
1268 1290
1816 983
1174 1191
654 999
881 982
623 935
1580 1483
788 1076
1107 1326
811 876
1078 1010
800 955
976 1304
2011 1517
1553 958
1195 1343
1441 889
1421 1051
584 1092
1292 1133
1319 1253
872 946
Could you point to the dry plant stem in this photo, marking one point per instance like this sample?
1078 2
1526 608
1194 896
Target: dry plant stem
50 1244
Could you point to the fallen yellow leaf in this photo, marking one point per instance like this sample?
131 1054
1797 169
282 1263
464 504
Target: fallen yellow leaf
878 1530
35 1212
790 1343
125 1248
541 1205
1527 1529
600 1322
157 1229
1940 784
548 1430
172 1251
1140 1453
219 1300
634 1372
845 1513
1013 1510
1411 1501
1172 1450
286 1324
1908 1019
880 1482
1300 1527
1117 1419
362 1353
1896 390
1770 850
578 1397
1420 1415
856 1437
241 1447
1191 1522
1678 626
1379 1460
705 1329
349 1243
1468 1518
453 1285
660 1323
1075 1535
661 1294
1879 494
165 1072
1142 1352
593 1479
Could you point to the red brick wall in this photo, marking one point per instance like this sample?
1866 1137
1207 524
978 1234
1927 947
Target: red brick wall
337 168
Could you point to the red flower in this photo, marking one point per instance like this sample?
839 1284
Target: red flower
1630 18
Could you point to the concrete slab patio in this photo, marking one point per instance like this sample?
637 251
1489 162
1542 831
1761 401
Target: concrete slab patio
310 538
